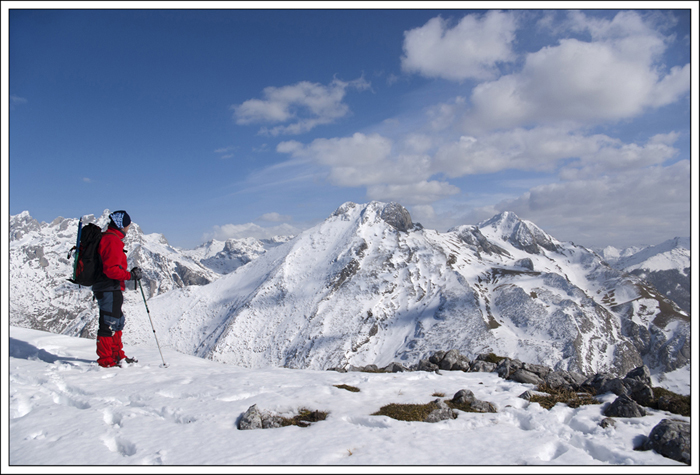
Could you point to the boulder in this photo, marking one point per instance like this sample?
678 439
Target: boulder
453 360
624 406
670 438
508 366
394 368
251 419
482 366
483 406
607 422
427 365
640 374
464 396
442 413
526 377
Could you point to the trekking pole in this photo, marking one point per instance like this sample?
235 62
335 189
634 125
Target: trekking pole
152 327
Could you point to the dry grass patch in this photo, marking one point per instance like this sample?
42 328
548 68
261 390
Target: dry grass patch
304 418
572 399
352 389
407 412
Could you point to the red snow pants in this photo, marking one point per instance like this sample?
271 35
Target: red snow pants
110 350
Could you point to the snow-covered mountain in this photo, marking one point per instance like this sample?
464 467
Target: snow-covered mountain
41 296
367 286
666 266
225 257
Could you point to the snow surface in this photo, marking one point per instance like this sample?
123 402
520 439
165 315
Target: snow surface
66 410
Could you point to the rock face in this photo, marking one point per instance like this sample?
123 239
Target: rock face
671 438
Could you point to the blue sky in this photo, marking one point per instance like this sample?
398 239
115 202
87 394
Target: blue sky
231 123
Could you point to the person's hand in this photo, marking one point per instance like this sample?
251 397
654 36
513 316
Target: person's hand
136 273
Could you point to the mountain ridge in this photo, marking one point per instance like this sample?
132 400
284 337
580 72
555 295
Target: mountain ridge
367 286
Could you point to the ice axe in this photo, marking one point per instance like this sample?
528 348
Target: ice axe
152 327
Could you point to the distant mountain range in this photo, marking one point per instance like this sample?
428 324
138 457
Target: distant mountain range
368 286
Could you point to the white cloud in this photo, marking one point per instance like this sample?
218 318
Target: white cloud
615 76
544 149
275 217
468 50
242 231
641 206
305 104
420 193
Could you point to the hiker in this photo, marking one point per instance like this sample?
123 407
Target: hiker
108 290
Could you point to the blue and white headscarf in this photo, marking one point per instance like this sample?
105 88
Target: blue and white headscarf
120 219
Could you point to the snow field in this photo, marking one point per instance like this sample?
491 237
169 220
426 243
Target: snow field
66 410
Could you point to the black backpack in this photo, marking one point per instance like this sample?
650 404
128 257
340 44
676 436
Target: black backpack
87 266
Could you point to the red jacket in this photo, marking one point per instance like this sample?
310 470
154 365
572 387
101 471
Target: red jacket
113 260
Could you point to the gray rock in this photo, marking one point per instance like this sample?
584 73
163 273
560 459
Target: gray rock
394 368
624 406
527 395
559 379
607 422
464 396
640 374
442 413
597 381
613 385
671 438
426 365
397 216
454 361
437 357
540 370
639 391
526 377
483 406
508 366
480 366
251 419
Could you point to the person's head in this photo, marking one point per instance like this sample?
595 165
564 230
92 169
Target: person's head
121 220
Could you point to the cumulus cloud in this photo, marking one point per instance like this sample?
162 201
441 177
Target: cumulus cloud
470 49
250 230
614 76
652 203
544 149
300 107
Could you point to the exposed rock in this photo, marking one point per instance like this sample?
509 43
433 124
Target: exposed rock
397 216
624 406
671 438
427 365
640 374
464 396
483 406
526 377
395 368
251 419
482 366
607 422
442 413
454 361
527 395
508 366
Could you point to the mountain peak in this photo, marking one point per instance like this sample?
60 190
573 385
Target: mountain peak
522 234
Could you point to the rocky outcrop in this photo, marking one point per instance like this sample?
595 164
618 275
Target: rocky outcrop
670 438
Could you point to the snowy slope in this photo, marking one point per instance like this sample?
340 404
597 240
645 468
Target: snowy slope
666 266
41 296
367 287
65 410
